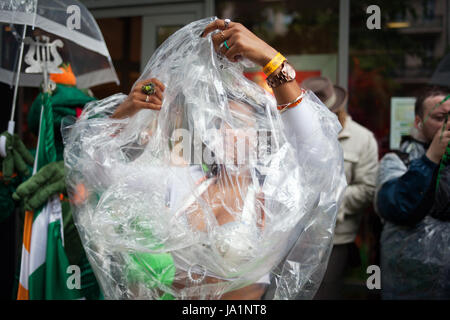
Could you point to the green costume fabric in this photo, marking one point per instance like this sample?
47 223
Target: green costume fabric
37 189
50 179
76 255
46 151
7 204
151 269
18 158
63 99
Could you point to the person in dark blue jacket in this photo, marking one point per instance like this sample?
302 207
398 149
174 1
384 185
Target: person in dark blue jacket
415 245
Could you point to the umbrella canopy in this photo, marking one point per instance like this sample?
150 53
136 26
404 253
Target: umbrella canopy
68 20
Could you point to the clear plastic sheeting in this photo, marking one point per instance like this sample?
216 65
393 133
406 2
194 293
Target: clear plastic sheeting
216 195
416 260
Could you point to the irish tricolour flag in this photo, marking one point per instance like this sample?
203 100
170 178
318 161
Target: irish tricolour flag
43 270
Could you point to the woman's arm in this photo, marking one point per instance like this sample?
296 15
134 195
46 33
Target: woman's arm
300 127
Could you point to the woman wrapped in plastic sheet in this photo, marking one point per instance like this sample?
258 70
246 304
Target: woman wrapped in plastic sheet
199 184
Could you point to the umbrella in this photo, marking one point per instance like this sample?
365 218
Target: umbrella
83 43
65 31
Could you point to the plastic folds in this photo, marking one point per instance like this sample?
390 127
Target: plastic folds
415 260
216 195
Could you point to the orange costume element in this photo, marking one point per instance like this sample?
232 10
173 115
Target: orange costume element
66 77
80 195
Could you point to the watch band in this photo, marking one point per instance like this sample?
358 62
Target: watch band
275 80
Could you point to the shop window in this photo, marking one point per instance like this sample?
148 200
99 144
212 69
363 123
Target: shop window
123 38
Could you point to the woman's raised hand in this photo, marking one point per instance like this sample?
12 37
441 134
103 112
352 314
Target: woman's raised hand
138 99
235 40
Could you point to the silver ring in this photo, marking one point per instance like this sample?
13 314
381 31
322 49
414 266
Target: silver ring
147 99
201 275
227 22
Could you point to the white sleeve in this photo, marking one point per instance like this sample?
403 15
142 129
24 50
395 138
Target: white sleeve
310 123
312 130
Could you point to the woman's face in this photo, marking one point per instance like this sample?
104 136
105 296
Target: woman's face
240 137
236 140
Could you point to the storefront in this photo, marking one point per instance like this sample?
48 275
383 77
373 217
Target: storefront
133 30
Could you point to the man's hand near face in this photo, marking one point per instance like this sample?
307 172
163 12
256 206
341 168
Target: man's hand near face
439 144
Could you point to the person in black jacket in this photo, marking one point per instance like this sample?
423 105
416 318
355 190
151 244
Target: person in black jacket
415 245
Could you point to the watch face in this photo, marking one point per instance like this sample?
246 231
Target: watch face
286 74
290 71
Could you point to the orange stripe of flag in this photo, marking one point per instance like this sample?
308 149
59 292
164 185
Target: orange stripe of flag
22 293
27 227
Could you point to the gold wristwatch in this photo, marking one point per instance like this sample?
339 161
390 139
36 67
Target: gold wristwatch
286 74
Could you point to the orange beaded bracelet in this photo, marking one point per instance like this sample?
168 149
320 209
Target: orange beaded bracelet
296 102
